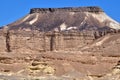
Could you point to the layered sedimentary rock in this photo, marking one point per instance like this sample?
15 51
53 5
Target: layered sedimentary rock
49 29
61 44
65 19
18 41
2 41
69 9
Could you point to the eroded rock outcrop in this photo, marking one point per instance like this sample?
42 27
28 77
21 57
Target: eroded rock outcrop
65 19
18 41
68 9
61 43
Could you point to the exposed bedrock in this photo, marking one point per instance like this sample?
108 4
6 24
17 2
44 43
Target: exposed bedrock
65 19
67 43
55 29
68 9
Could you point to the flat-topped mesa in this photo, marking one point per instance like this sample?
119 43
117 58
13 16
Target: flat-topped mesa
67 9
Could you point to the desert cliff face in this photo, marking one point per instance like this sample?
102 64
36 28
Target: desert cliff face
61 43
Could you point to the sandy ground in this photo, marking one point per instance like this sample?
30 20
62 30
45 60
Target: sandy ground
54 65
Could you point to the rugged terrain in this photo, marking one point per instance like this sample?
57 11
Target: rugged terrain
61 44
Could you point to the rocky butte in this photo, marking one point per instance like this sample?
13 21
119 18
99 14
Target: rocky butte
61 43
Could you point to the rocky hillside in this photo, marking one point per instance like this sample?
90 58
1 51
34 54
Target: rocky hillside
65 19
61 44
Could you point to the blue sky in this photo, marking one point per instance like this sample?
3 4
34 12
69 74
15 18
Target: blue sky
12 10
